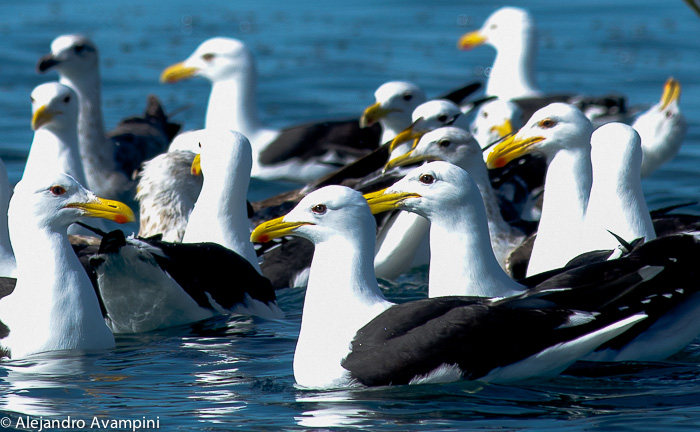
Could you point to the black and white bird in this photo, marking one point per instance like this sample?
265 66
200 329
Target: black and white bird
563 135
53 305
214 271
351 335
299 153
8 265
512 32
109 160
658 278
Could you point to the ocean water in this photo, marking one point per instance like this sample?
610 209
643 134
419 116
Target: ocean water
324 59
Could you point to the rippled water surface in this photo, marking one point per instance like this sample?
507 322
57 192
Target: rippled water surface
322 59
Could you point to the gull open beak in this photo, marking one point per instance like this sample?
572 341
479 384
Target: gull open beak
406 135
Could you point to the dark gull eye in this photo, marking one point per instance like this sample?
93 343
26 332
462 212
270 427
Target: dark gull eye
547 123
319 209
407 97
79 48
57 190
444 143
208 57
442 118
426 179
66 99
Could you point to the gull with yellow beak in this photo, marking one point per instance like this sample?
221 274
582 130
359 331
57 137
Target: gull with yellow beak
300 153
662 128
426 117
563 135
351 335
512 32
148 284
644 280
458 147
109 159
55 124
53 306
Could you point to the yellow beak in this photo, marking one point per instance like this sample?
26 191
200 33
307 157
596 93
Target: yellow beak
672 92
106 209
408 159
372 114
177 72
42 116
197 165
274 228
380 201
405 135
471 40
504 129
509 149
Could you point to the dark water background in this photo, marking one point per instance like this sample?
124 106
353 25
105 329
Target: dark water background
324 59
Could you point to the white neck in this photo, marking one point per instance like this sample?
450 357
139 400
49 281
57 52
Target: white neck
220 215
513 71
617 205
55 153
567 188
342 296
461 258
233 106
54 305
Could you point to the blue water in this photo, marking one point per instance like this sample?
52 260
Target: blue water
321 59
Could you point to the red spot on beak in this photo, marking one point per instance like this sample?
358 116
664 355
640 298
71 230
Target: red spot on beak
120 219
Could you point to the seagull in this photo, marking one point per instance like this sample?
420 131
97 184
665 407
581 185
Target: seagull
109 160
300 153
662 128
658 278
147 283
53 306
513 34
55 144
351 335
565 136
458 147
166 193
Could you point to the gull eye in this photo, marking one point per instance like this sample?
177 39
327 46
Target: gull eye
319 209
485 114
669 114
79 48
493 26
407 97
199 144
208 57
444 143
57 190
547 123
426 179
66 99
442 118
